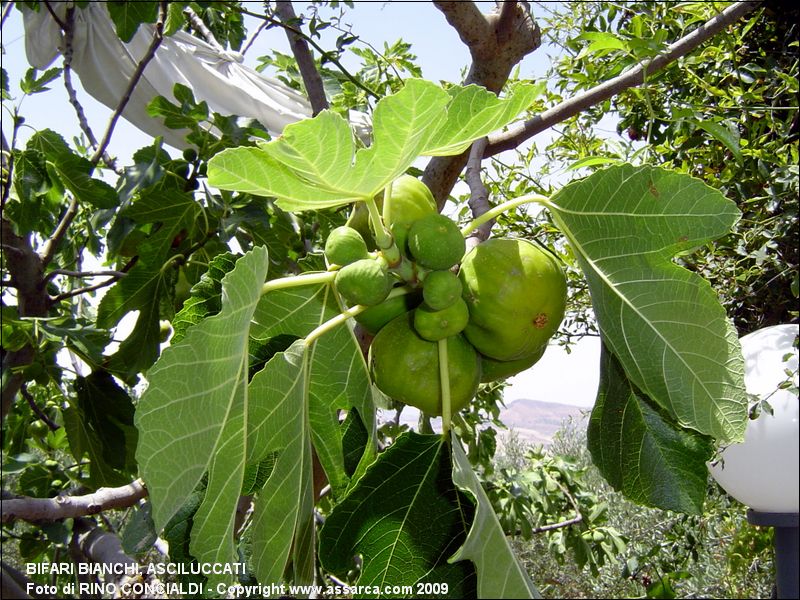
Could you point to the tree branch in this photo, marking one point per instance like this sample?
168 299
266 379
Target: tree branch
479 195
26 272
328 56
65 507
631 78
6 11
36 410
69 31
200 26
496 42
69 273
305 62
84 290
13 583
158 35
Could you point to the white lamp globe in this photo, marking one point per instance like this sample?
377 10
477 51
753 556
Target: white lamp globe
763 472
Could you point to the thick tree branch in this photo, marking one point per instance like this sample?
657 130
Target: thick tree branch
634 77
496 42
26 272
64 507
305 61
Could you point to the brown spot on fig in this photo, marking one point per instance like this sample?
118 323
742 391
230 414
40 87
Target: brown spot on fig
540 320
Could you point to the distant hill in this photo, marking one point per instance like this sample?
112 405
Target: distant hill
536 421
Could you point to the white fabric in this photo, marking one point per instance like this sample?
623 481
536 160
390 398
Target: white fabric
105 66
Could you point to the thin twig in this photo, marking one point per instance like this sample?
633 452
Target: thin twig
305 61
253 37
82 274
6 11
51 245
53 14
35 408
328 56
69 32
631 78
65 507
158 35
576 519
85 290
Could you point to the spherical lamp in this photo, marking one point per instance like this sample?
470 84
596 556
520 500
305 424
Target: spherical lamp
763 472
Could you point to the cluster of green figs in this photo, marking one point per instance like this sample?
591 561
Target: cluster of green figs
495 306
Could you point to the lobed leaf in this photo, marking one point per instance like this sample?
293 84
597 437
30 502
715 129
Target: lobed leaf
315 164
664 323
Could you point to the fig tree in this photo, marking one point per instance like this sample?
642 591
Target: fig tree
364 282
345 246
406 367
441 289
516 294
435 242
434 325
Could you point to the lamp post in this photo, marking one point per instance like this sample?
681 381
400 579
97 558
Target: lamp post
763 472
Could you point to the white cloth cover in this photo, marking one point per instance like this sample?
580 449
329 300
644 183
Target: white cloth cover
105 65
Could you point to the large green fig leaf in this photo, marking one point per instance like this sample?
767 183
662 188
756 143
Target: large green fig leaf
406 519
338 375
192 419
315 164
283 525
227 427
500 575
475 112
641 453
663 322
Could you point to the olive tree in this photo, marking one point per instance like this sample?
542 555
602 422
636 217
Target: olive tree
251 440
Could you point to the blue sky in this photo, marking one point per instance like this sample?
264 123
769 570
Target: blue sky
558 377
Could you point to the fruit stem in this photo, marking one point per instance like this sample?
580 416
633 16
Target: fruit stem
333 323
500 209
444 382
298 280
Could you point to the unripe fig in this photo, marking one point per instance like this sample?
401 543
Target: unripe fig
345 246
435 242
493 370
434 325
364 282
441 289
516 293
375 317
406 367
411 200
